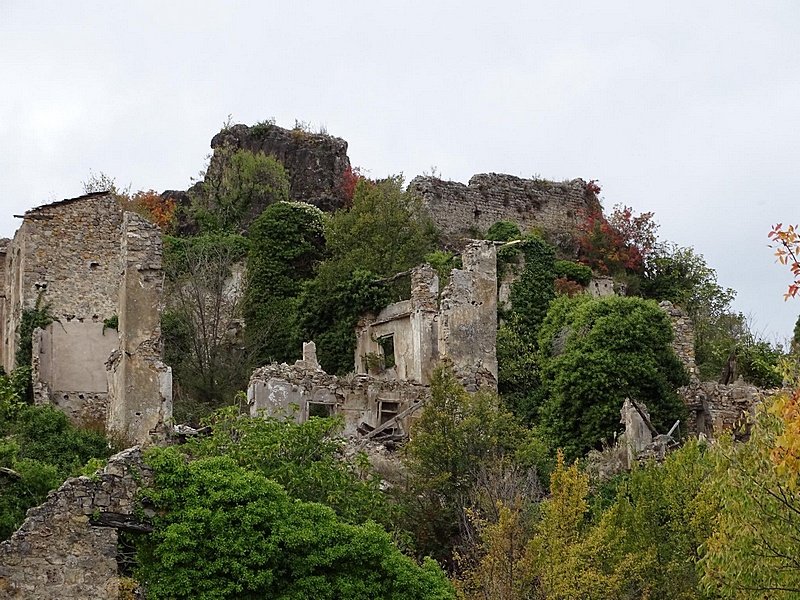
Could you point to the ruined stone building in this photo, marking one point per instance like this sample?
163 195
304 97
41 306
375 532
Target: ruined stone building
555 209
86 260
396 352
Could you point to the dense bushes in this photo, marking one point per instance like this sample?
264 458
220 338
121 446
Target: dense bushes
247 518
286 244
595 353
39 449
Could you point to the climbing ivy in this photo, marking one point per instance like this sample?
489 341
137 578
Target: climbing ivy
286 244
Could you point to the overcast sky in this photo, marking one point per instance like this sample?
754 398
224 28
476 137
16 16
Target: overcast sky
690 110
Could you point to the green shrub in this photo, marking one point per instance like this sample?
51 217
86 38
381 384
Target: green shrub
573 272
595 353
230 532
503 231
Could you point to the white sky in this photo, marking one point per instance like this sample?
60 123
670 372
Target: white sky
688 109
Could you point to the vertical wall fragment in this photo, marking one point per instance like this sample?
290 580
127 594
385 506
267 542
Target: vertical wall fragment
139 383
468 317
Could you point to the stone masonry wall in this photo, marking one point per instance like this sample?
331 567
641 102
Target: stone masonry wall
468 317
139 383
460 325
414 327
281 390
713 407
459 210
716 407
68 252
58 552
683 337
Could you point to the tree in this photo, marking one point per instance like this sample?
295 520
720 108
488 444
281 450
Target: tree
286 244
39 449
787 244
455 438
238 186
328 314
753 552
531 294
386 231
229 532
595 353
201 325
617 244
304 458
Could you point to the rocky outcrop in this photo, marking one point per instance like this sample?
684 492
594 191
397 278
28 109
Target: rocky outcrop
316 163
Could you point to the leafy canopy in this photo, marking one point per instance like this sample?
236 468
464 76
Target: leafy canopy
595 353
230 532
286 244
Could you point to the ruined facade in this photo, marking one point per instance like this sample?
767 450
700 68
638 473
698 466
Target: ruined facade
86 261
370 406
713 407
460 210
461 325
67 547
396 352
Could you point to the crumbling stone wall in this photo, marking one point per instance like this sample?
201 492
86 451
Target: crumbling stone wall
468 317
364 401
460 210
460 325
412 325
683 337
67 252
140 384
716 407
61 551
87 260
713 407
316 163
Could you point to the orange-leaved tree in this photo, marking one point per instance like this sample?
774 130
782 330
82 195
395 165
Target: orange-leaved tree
787 244
158 209
786 450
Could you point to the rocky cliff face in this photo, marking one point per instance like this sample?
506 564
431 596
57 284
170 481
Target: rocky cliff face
315 163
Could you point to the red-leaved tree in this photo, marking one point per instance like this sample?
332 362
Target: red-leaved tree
621 242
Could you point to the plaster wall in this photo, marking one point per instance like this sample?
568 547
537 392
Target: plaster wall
85 345
460 325
468 317
140 385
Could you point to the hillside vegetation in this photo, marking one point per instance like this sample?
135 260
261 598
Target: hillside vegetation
496 495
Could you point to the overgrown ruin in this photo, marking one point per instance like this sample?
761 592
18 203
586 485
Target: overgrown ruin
88 263
97 270
556 209
396 352
67 548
